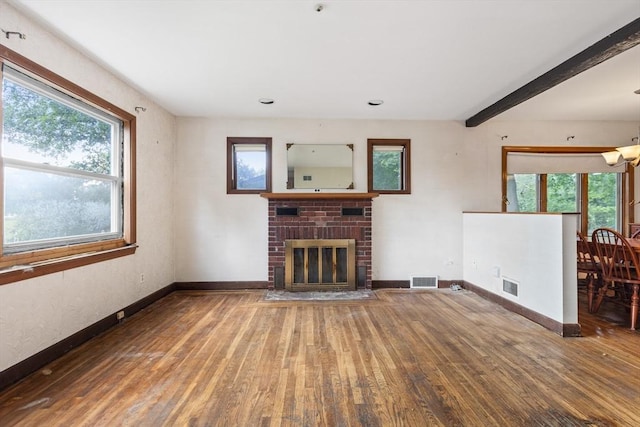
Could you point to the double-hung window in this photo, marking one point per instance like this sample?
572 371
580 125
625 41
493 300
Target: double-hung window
66 190
62 168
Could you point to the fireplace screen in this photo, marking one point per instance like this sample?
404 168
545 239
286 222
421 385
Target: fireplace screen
325 264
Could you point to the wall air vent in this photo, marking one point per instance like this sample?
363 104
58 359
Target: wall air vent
352 211
510 286
286 211
424 282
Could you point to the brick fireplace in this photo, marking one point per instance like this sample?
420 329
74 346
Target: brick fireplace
305 216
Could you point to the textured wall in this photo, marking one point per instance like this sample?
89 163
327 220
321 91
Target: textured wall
530 250
36 313
453 169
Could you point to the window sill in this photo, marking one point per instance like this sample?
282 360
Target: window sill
28 271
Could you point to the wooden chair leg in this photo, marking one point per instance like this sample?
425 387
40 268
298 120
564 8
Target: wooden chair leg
601 293
635 301
590 291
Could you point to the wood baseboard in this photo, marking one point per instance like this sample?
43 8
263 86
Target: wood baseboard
563 329
220 286
389 284
405 284
20 370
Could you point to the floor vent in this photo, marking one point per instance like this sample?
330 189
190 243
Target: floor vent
424 282
509 286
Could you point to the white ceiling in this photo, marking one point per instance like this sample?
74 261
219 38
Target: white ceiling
428 60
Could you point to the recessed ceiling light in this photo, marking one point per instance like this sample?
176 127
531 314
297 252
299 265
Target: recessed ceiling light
266 101
375 102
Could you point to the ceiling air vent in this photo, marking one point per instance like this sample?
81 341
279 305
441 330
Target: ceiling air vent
424 282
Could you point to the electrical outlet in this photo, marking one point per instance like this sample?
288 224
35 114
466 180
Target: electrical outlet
141 278
120 315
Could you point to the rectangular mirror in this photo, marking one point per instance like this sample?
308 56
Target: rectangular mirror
318 166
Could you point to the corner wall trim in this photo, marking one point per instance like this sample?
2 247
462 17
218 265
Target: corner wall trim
26 367
562 329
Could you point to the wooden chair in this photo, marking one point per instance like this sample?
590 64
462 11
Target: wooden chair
620 280
636 234
589 269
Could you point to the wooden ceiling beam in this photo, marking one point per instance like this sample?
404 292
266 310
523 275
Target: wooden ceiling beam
615 43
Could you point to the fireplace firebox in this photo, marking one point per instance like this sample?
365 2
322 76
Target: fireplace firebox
324 264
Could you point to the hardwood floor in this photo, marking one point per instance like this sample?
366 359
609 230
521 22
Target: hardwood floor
412 358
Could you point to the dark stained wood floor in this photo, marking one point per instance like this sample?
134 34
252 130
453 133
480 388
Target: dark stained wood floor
408 358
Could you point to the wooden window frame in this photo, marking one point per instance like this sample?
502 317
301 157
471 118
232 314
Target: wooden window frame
406 164
25 265
231 178
627 184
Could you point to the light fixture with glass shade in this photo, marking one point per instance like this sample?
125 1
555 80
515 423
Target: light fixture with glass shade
629 153
611 157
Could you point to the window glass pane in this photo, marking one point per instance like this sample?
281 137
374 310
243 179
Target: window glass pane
522 193
387 169
249 165
45 133
603 201
389 166
40 129
41 206
562 194
251 169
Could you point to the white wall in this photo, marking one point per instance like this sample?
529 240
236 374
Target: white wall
537 251
37 313
222 237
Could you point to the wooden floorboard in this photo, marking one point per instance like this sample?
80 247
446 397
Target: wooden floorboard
406 358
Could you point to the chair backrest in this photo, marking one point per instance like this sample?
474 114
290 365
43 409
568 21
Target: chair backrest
618 259
586 256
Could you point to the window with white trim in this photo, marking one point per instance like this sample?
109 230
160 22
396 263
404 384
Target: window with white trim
62 167
68 173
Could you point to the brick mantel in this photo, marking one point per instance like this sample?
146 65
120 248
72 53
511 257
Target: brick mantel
320 216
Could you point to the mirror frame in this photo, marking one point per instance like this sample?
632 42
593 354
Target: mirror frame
329 152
